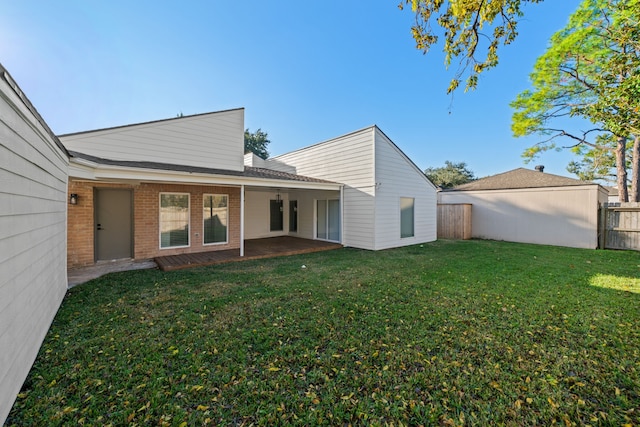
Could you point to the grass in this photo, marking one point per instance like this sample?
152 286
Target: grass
446 333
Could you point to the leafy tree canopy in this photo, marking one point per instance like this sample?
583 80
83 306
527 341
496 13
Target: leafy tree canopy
256 143
472 30
451 175
590 71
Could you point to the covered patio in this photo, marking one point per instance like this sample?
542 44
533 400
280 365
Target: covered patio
253 249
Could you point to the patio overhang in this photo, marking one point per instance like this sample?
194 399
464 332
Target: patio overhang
101 170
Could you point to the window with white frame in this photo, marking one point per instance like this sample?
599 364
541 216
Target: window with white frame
407 217
215 217
174 220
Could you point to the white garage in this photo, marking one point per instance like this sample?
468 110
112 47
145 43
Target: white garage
531 206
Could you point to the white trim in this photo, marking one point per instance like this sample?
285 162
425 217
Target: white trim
160 220
242 220
226 241
91 171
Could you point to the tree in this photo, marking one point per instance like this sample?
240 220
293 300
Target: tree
590 71
466 23
256 143
451 175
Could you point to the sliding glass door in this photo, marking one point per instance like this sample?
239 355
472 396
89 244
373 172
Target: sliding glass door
328 220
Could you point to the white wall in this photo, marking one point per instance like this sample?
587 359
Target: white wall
213 140
349 160
559 216
257 212
397 177
33 206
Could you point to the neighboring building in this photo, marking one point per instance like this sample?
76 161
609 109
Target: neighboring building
184 185
532 207
33 207
613 195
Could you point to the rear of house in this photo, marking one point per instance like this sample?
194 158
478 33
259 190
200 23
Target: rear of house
183 185
532 207
388 201
178 186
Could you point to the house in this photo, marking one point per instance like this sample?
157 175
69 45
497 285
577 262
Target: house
184 185
531 206
33 213
175 186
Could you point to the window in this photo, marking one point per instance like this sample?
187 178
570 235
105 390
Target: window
174 220
277 217
215 216
293 216
406 217
328 220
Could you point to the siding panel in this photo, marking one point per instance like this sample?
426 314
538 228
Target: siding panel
559 216
397 177
214 140
349 160
33 279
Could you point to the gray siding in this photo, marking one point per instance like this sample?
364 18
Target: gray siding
33 277
214 140
398 177
349 160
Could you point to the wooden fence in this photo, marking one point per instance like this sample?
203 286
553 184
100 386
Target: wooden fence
620 226
454 221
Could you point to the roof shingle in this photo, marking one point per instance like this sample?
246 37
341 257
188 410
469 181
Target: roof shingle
519 178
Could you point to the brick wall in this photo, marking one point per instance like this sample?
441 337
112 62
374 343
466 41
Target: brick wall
146 202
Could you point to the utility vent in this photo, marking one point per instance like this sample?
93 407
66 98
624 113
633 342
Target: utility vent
540 168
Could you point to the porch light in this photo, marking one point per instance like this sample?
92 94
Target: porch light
278 198
73 199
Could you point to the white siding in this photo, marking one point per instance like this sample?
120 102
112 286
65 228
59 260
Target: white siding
252 160
257 212
33 277
559 216
349 160
397 177
214 140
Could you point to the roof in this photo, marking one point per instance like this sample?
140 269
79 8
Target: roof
520 178
249 172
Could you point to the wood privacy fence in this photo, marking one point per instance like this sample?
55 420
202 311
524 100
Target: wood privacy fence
620 226
454 221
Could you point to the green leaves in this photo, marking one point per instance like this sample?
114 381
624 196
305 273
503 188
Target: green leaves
591 72
463 24
451 175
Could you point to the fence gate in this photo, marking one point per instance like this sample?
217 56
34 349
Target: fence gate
620 226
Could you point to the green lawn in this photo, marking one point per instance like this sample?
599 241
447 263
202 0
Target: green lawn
447 333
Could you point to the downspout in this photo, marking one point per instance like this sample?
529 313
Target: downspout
242 220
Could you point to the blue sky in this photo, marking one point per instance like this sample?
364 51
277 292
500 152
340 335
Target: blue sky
304 71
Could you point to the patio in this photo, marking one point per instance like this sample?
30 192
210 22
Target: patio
253 249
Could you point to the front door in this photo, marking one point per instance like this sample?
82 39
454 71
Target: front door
113 224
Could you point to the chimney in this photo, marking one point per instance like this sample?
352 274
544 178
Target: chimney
540 168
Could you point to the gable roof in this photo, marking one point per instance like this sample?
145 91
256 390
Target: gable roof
520 178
